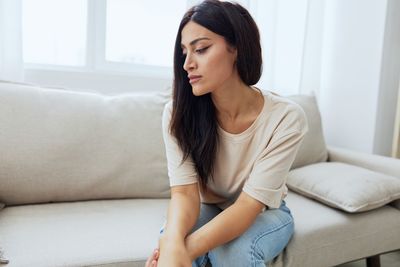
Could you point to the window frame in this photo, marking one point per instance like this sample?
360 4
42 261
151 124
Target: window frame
96 50
95 61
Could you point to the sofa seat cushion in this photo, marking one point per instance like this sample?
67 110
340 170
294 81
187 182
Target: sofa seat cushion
124 232
90 233
347 187
327 237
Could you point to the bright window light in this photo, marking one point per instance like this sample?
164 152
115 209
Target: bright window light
142 32
54 32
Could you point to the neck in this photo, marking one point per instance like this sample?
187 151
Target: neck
236 100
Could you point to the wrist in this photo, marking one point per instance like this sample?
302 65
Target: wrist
191 247
166 240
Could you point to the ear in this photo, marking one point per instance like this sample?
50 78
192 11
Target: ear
235 57
233 50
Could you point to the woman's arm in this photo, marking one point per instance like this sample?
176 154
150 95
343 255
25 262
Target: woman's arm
183 212
239 216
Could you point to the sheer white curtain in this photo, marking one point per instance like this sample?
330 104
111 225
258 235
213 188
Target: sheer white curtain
291 35
11 62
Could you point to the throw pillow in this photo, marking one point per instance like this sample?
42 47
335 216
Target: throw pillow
343 186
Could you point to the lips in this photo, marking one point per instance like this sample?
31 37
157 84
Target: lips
194 78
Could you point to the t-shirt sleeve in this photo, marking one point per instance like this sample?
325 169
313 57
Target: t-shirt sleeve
267 180
179 173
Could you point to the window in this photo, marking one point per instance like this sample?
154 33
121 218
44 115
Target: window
53 32
99 34
111 35
136 38
142 32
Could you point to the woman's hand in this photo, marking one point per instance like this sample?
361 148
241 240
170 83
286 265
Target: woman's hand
152 260
173 254
175 257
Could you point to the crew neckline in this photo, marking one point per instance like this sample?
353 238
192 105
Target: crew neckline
246 133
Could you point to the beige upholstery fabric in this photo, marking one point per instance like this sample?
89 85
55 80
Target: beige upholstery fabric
124 232
326 237
386 165
395 204
65 146
344 186
313 148
87 233
389 166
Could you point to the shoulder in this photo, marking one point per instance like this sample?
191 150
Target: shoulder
167 110
168 106
166 116
287 112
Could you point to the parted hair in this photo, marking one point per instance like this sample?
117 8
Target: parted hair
193 120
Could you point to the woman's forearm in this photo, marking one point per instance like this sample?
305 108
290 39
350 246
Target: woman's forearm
229 224
183 212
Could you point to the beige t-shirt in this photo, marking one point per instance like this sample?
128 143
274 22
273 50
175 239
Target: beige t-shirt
256 161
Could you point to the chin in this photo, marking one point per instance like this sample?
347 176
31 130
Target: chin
199 91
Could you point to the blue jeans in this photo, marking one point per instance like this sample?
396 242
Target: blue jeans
264 240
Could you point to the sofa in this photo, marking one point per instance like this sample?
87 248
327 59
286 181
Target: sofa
83 182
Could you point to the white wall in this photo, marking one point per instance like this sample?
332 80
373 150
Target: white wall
357 76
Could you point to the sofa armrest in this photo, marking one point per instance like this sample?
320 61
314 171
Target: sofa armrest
386 165
378 163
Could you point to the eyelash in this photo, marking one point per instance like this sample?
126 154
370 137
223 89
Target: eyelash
199 51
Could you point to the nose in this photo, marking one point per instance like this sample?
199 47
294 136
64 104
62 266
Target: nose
189 63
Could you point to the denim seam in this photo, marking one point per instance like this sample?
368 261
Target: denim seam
204 262
260 236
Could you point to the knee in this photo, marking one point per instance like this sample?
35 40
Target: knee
275 242
250 250
222 257
239 252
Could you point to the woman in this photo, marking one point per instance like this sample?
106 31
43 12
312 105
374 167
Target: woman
229 146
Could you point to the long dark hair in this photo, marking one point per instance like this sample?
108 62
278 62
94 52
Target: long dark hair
193 120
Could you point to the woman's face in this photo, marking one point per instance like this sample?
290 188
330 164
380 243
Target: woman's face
209 59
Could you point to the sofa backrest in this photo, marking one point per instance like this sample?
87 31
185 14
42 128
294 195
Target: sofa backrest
313 148
59 145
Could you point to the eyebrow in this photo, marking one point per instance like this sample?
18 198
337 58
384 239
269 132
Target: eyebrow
196 40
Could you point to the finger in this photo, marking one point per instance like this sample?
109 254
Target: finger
156 254
148 262
153 263
150 259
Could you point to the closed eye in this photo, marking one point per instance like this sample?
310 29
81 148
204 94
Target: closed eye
202 50
198 51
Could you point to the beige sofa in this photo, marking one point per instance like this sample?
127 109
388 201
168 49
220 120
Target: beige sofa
84 181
